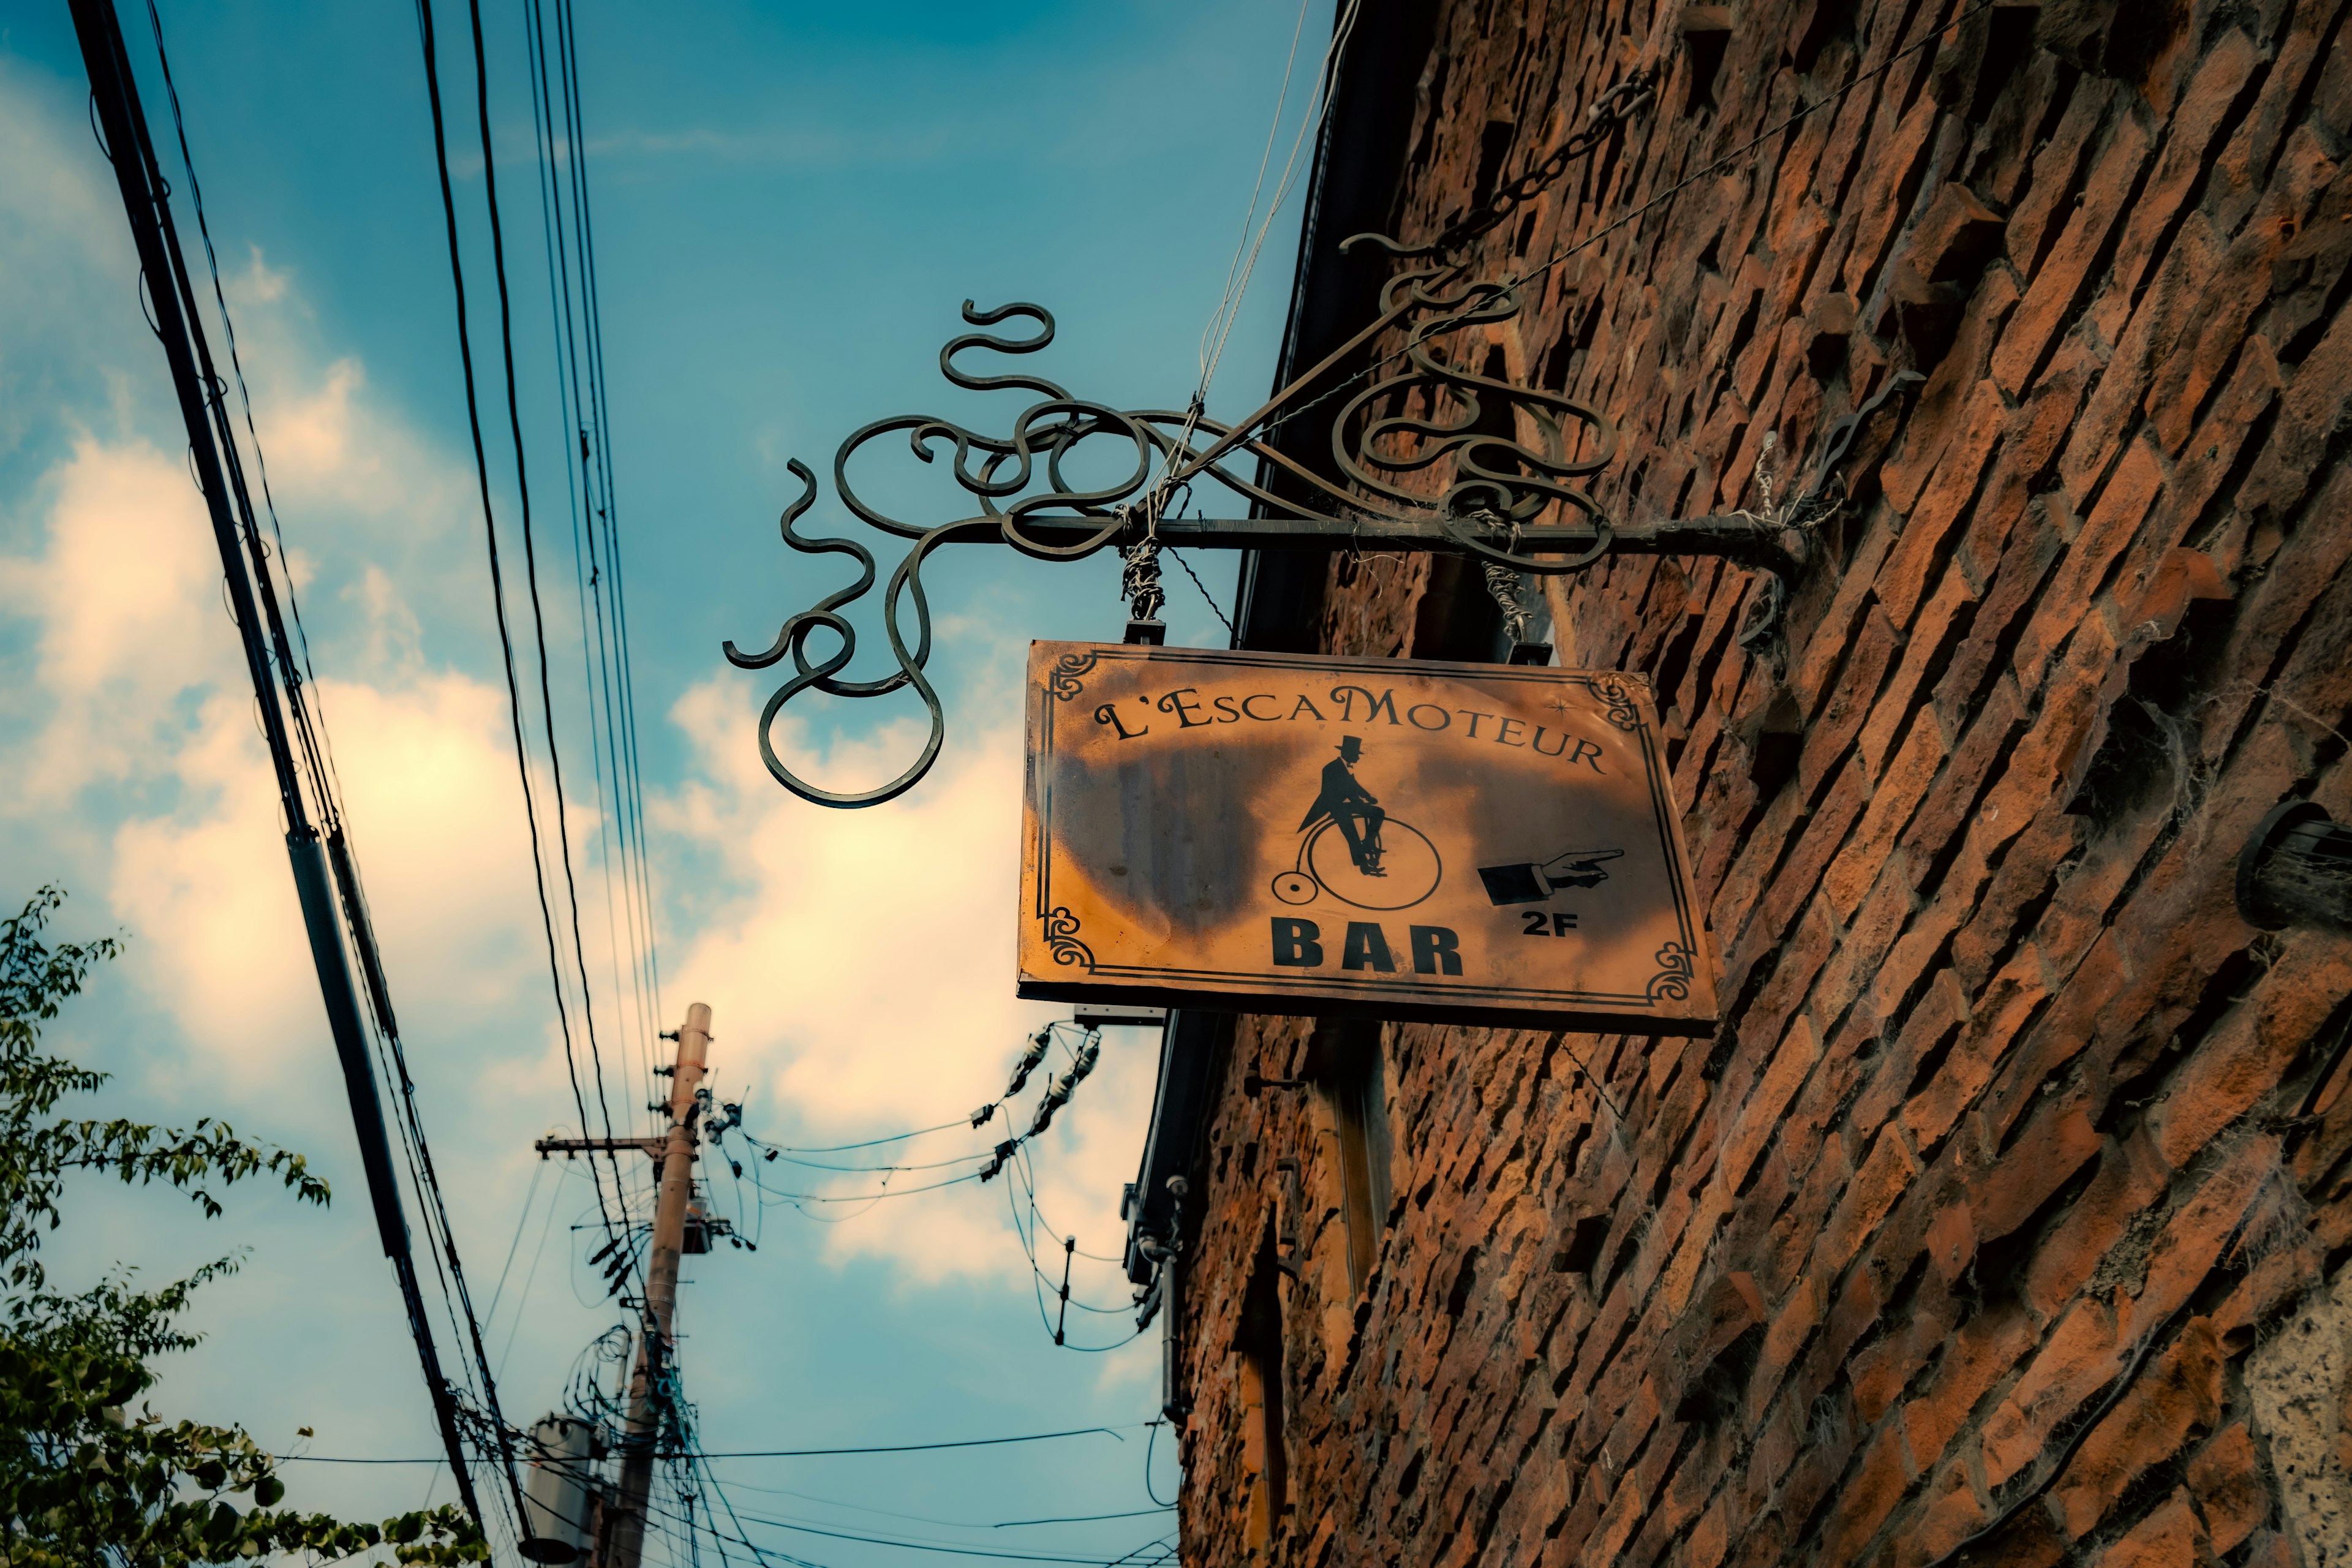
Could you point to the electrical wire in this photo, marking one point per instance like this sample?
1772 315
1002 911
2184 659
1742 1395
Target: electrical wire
946 1523
1040 1279
1110 1432
575 321
940 1549
530 569
478 1402
868 1143
530 1277
620 670
497 584
1319 105
1149 1444
530 1197
911 1544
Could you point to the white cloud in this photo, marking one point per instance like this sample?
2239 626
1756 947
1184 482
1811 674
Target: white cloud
860 968
135 686
860 962
131 616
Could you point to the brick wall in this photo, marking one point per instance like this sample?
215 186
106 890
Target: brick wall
1999 1209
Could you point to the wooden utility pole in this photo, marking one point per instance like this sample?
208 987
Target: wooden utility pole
624 1536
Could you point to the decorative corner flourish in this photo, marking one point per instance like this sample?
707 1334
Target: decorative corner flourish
1062 936
1677 969
1616 694
1068 680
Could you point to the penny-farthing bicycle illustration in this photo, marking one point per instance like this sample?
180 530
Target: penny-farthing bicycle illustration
1354 850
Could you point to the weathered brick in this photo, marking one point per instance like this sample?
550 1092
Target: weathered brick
1999 1094
1867 1497
1973 1047
2060 283
1882 1179
2179 300
1760 1112
2168 1538
2311 411
2221 72
1902 709
2197 1232
2053 1146
2239 1064
2131 490
1844 981
1939 411
2082 1354
1986 1350
1930 535
2048 202
2226 1480
2176 1394
1847 703
1950 1513
2129 1182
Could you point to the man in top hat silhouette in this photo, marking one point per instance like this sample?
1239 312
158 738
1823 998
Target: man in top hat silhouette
1351 807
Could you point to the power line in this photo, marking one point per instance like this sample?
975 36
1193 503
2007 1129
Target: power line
497 582
315 762
868 1143
597 566
940 1548
599 383
1112 1432
530 563
945 1523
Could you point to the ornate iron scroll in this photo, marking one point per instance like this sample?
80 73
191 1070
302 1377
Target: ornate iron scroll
1431 453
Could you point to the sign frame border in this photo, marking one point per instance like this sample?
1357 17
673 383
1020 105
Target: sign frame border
1628 704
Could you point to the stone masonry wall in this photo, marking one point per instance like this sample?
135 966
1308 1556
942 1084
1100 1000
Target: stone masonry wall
1995 1221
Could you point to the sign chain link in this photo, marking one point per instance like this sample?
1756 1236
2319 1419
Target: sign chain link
1607 113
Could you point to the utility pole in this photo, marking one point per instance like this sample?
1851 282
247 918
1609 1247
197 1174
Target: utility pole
673 1155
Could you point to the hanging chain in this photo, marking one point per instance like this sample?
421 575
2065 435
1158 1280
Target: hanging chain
1138 581
1607 113
1506 584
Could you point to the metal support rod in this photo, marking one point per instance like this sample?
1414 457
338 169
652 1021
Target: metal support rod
1749 540
114 95
656 1339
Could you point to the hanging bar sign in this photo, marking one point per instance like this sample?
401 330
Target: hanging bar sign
1403 839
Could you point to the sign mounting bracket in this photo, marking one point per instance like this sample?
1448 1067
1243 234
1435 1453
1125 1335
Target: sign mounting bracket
1428 453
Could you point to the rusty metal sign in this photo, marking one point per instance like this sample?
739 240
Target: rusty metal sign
1289 833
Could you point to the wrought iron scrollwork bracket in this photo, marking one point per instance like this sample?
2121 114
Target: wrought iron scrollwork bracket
1431 453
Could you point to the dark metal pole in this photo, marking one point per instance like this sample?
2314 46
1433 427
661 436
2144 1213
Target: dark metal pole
123 122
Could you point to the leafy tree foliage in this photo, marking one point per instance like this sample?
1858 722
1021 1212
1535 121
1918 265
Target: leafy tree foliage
84 1479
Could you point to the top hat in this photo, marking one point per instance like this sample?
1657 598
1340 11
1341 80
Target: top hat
1351 747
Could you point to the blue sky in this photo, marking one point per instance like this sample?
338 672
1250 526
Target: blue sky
790 201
